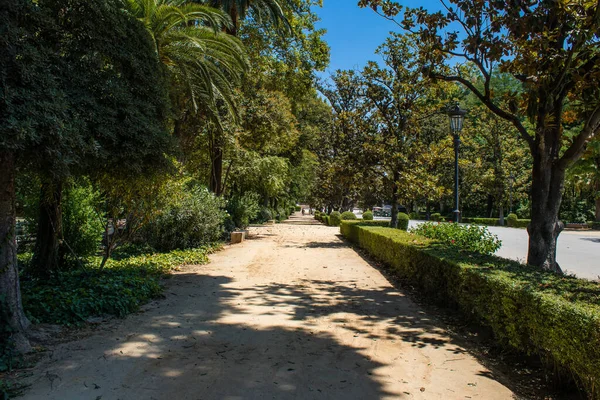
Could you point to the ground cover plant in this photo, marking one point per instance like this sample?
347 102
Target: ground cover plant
534 311
72 297
465 237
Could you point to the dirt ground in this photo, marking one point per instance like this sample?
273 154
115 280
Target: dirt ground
292 313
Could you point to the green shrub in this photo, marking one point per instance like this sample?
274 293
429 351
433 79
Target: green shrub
465 237
368 215
482 221
124 285
244 208
298 208
414 216
511 219
281 214
264 215
335 218
318 215
82 229
403 221
436 217
528 309
514 222
347 215
189 219
325 219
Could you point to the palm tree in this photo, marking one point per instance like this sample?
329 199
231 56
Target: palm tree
271 10
203 60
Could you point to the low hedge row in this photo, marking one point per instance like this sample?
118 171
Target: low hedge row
528 309
482 221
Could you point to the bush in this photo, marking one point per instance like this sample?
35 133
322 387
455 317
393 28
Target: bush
528 309
335 218
414 215
436 217
244 208
482 221
190 218
402 221
298 208
318 215
513 221
264 215
118 290
325 219
368 215
347 215
281 214
465 237
82 229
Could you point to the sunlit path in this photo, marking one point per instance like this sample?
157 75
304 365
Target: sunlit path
292 313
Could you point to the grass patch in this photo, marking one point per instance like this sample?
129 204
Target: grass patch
530 310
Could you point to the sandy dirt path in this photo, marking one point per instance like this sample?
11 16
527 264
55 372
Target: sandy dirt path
292 313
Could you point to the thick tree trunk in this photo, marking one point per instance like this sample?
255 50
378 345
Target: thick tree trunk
11 308
47 244
396 178
546 196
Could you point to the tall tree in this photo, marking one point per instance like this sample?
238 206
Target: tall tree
401 98
81 88
272 11
553 49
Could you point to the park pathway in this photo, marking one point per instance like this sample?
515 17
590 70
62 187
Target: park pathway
292 313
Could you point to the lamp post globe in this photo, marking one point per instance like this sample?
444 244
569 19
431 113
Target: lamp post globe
457 118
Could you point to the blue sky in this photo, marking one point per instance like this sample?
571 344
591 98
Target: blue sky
353 33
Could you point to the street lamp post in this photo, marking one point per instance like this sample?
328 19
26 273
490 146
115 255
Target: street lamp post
457 117
512 181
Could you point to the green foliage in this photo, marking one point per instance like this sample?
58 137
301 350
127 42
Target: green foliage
82 227
403 221
436 217
368 215
482 221
335 218
465 237
347 215
244 208
514 222
414 216
528 309
264 215
297 208
191 217
118 290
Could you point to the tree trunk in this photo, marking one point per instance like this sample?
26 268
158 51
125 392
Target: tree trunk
598 201
546 196
11 308
501 214
216 170
46 253
396 178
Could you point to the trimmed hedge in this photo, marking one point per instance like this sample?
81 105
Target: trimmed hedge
335 218
534 311
514 222
403 221
348 215
297 208
482 221
358 222
368 215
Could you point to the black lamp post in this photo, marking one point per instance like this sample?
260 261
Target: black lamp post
512 182
457 117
